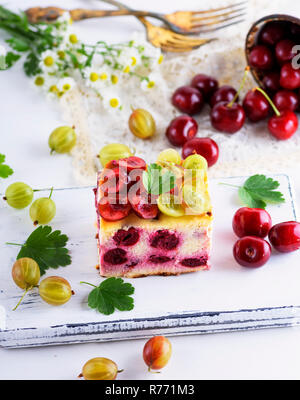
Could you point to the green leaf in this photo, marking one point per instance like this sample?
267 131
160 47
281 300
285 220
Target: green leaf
18 44
11 59
47 248
5 170
112 294
157 180
31 65
249 201
258 190
257 182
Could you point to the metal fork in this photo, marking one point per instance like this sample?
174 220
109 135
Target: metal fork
183 22
163 38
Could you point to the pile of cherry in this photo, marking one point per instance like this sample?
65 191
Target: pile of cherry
271 58
252 225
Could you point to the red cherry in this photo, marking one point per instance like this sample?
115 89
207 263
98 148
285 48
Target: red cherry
142 206
125 237
271 81
261 57
286 100
251 222
256 106
206 147
284 51
251 251
115 256
224 93
272 33
295 29
289 77
113 212
181 129
285 237
132 163
114 180
188 100
228 119
283 126
206 84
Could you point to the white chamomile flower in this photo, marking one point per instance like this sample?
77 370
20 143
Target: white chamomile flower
151 82
129 59
115 77
65 18
111 101
39 80
65 84
48 61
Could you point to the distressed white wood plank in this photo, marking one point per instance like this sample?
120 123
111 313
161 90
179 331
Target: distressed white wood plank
192 303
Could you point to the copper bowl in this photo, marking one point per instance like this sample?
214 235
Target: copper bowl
253 38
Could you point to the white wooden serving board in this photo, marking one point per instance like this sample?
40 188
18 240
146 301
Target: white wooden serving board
228 297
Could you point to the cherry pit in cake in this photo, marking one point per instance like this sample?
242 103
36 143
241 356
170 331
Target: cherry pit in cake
153 219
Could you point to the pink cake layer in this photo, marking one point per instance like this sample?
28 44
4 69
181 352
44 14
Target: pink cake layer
134 251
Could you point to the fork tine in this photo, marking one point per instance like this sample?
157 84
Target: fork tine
216 28
186 41
183 45
216 10
225 14
216 22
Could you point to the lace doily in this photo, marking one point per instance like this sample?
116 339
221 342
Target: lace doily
249 151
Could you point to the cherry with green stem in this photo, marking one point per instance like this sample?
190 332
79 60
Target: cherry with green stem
229 117
284 123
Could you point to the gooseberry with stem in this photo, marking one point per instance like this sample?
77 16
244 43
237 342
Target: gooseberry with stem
42 210
157 352
26 274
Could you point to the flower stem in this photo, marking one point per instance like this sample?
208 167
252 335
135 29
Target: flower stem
14 244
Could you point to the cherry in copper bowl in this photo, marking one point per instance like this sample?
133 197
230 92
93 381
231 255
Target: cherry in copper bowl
270 52
286 100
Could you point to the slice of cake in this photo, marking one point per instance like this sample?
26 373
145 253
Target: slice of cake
153 220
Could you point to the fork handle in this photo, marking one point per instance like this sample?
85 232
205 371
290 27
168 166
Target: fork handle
49 14
122 6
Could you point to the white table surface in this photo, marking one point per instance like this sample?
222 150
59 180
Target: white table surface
26 121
